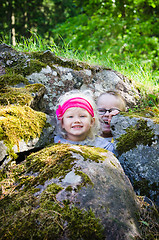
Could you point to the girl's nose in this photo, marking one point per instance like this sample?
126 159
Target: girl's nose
77 119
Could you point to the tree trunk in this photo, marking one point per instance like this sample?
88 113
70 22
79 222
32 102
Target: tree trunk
13 30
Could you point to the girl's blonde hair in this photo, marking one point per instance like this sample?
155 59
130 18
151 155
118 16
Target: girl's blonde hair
88 95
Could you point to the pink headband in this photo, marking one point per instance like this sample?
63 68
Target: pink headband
74 102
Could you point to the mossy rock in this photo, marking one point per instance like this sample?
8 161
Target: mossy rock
27 68
137 144
19 123
149 112
60 193
44 218
135 135
20 96
50 58
12 79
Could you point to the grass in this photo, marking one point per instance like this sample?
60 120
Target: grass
138 71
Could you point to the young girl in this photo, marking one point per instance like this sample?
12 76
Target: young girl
78 121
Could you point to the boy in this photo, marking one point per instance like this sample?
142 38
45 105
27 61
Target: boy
109 104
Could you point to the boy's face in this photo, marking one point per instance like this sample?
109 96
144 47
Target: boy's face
111 103
77 123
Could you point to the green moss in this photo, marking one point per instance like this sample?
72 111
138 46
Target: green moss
22 220
19 96
59 160
12 79
26 215
45 57
139 134
83 224
20 122
85 178
33 88
150 112
92 153
51 59
69 189
51 162
27 68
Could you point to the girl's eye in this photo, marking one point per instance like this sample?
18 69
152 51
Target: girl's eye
70 116
82 116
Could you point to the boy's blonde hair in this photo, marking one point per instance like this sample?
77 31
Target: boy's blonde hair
88 95
120 99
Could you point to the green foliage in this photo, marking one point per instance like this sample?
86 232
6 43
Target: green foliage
32 44
139 71
36 15
126 35
94 34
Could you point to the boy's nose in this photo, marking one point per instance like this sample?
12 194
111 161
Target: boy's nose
106 113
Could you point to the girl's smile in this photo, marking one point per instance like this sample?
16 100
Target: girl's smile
77 126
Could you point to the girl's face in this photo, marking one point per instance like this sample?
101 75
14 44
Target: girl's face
77 123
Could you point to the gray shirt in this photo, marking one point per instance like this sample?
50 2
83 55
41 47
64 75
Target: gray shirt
97 142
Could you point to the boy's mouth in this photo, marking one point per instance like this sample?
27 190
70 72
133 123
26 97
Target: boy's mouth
104 121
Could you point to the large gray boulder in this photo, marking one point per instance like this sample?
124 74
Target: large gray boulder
68 192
